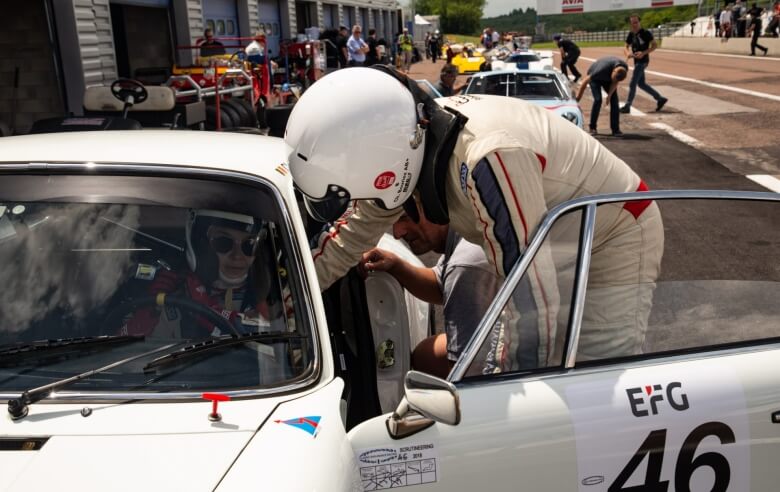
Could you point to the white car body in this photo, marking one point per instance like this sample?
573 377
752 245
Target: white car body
568 426
556 97
523 60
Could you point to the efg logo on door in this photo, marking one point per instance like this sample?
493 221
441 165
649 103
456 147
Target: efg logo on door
650 399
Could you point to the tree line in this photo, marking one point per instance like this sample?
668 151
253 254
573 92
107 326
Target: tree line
461 14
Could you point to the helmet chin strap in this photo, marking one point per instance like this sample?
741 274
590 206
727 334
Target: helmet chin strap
442 126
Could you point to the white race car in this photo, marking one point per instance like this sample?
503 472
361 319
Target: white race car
547 88
524 60
114 379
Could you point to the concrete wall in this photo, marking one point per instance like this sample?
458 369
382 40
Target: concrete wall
24 43
733 46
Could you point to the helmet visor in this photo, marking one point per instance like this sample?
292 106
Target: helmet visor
329 208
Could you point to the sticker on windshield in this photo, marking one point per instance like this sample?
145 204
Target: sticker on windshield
662 428
398 466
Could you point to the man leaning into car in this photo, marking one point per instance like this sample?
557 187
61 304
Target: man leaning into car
492 182
462 281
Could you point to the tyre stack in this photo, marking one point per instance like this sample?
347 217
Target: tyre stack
235 113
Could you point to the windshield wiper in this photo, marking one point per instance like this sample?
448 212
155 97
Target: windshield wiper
18 407
11 354
200 347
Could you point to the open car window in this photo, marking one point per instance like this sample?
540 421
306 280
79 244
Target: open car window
677 283
163 260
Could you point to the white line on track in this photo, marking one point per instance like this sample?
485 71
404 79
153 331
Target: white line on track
634 111
708 84
682 137
725 55
766 181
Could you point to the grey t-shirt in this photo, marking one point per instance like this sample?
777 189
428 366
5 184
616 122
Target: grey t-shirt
468 284
601 70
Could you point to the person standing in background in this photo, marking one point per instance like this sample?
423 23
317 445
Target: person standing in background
639 44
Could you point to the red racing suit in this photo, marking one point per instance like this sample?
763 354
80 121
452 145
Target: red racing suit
228 303
512 162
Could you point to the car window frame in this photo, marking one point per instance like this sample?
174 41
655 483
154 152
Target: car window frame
588 206
299 285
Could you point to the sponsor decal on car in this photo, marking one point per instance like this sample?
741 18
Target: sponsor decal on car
662 429
401 466
310 424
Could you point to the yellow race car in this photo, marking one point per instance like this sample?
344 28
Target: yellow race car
465 57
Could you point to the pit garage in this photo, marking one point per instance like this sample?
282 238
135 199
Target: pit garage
30 80
143 40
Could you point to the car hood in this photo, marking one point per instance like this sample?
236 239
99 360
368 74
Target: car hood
557 105
127 446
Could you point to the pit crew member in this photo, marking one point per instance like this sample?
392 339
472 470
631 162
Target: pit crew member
488 166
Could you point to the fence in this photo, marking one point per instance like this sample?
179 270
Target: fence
673 28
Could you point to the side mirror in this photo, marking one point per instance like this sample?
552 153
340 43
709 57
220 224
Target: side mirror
427 400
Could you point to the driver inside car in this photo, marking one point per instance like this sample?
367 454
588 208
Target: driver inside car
221 249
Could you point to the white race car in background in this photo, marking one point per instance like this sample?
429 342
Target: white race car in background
547 88
523 60
299 399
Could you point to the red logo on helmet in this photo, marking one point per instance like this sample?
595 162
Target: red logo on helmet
384 180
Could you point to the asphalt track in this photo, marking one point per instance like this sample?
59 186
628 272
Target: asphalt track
720 128
707 137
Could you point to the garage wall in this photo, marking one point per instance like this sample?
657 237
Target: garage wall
24 43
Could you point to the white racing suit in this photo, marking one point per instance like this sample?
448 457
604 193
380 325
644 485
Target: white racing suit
512 162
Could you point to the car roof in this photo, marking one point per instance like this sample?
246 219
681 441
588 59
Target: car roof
529 71
253 154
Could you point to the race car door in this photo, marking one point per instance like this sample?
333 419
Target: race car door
691 407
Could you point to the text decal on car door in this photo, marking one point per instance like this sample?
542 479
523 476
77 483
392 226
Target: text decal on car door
662 429
398 466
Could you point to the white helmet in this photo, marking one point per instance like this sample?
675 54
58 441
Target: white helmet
354 134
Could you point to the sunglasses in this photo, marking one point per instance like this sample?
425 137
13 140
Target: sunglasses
225 244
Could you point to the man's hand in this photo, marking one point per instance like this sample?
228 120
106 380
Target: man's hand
378 260
639 55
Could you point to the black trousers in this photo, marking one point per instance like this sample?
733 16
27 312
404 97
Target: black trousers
614 115
569 62
754 42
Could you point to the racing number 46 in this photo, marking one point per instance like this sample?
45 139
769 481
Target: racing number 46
653 447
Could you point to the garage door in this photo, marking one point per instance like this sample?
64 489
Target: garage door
268 17
222 17
144 3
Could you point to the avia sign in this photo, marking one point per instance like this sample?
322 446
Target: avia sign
572 6
555 7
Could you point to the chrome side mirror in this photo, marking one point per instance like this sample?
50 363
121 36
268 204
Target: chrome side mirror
427 400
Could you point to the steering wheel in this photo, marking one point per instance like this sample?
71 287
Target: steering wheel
123 89
114 318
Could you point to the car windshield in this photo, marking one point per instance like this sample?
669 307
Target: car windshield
157 261
524 58
521 85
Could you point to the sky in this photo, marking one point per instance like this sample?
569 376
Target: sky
501 7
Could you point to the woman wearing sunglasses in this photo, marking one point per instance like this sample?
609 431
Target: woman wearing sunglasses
221 249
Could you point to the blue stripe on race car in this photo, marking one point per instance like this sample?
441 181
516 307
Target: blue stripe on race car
522 65
504 230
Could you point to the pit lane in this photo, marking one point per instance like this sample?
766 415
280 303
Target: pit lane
728 145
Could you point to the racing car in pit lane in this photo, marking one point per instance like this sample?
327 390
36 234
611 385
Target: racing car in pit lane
546 88
119 373
522 59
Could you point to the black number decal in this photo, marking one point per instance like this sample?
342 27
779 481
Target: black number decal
653 447
686 464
